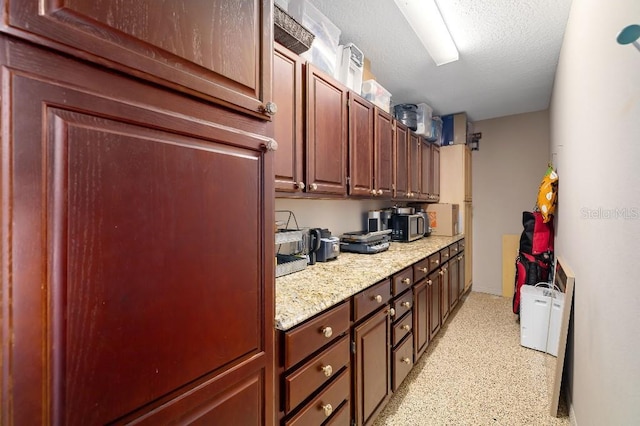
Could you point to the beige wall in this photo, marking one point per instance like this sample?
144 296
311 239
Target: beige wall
507 170
595 142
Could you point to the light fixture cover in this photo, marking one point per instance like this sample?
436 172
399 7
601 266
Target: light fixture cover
426 21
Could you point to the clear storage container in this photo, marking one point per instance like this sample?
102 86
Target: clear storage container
374 92
423 119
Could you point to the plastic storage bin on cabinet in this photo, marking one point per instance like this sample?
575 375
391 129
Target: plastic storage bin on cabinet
324 49
374 92
423 120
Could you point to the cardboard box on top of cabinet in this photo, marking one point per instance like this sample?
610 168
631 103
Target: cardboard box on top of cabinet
443 218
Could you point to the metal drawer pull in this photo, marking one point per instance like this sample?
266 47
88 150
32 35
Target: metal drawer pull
441 272
328 409
327 332
378 298
459 257
327 370
406 281
437 261
406 304
406 360
391 312
424 270
406 327
429 282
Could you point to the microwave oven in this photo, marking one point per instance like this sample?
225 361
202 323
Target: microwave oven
407 227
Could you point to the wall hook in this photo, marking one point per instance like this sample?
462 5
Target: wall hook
630 35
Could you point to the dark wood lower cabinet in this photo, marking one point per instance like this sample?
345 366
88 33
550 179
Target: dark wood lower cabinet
118 302
435 304
453 281
444 292
371 364
461 276
421 331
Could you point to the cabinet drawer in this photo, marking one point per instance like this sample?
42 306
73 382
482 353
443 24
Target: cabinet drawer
434 261
444 255
402 281
322 406
403 304
402 362
461 245
342 417
305 339
319 370
401 328
453 249
371 299
421 269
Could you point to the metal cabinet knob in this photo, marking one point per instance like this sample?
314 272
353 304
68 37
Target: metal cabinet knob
424 270
300 185
379 191
444 269
429 282
406 360
406 281
328 409
406 304
437 261
459 257
406 327
441 272
270 108
313 187
392 312
377 298
327 370
373 192
327 332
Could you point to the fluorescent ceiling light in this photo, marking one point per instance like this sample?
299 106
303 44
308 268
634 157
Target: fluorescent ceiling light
426 21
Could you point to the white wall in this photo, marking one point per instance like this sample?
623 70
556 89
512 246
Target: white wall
339 216
507 171
595 142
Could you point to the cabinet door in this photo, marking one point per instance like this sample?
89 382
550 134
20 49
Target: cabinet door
401 161
415 163
220 50
426 172
434 303
360 146
383 154
461 274
435 172
326 134
372 366
117 212
453 281
420 318
287 126
467 174
445 291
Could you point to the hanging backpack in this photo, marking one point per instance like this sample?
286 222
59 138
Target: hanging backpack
535 255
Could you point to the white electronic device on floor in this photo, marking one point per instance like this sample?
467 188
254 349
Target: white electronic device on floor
540 317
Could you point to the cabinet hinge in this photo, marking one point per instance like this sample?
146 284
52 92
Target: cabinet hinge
353 347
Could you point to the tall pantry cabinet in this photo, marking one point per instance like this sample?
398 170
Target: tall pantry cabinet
136 219
456 188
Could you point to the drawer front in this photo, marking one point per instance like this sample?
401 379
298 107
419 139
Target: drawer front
434 262
315 373
402 362
461 245
371 299
320 408
402 281
453 249
402 305
402 327
342 417
444 255
421 269
307 338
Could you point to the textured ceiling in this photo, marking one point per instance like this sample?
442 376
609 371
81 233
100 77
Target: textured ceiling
508 52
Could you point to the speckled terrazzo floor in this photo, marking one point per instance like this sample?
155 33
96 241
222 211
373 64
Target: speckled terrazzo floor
476 373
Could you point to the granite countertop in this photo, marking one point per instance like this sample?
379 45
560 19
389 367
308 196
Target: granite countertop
303 294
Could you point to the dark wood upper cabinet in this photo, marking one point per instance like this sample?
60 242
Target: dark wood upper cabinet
426 178
435 172
326 141
288 124
361 149
219 50
123 305
383 154
401 161
415 165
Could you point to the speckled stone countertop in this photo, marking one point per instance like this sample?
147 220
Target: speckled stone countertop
303 294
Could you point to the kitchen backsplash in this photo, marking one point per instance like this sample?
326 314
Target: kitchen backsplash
339 216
